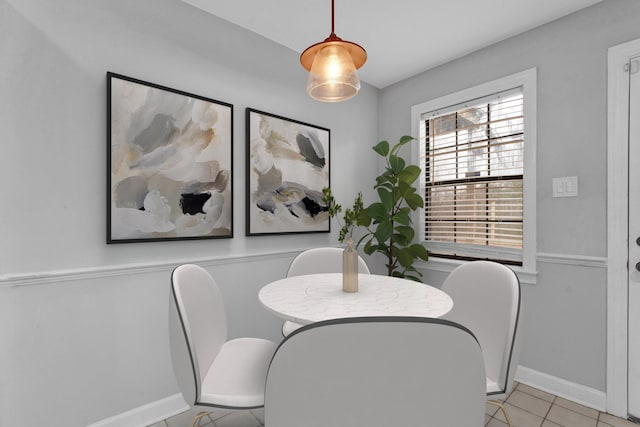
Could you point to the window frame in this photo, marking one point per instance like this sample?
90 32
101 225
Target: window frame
527 80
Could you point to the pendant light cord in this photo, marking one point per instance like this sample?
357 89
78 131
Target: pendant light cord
333 33
332 36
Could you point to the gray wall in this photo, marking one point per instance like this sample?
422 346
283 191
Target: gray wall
83 325
565 311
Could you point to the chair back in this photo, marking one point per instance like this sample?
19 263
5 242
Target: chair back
197 327
377 371
486 299
321 260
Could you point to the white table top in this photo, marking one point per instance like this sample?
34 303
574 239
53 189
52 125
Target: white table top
315 297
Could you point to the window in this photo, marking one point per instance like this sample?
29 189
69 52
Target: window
477 155
473 174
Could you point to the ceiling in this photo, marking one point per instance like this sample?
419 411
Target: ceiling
401 37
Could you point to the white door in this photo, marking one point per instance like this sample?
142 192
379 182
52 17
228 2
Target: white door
634 239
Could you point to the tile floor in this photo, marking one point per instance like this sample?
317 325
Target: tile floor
527 406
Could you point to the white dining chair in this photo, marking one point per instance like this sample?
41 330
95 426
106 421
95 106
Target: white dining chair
316 261
486 299
212 371
377 372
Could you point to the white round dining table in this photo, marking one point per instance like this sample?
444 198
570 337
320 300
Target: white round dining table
316 297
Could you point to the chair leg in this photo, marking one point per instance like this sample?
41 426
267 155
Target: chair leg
504 410
198 418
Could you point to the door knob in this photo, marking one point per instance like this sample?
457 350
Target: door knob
638 241
638 266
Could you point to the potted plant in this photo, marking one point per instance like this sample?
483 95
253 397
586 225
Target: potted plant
388 223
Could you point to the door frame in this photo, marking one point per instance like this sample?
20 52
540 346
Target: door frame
617 225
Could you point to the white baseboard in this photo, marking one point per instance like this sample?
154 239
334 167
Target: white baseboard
578 393
146 415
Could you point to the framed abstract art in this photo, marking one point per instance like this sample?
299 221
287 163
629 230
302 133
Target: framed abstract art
287 168
169 163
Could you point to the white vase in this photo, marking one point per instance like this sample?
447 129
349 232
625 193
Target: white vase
349 268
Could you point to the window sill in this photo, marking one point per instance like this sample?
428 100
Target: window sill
446 265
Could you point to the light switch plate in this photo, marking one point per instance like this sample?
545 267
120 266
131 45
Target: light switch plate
565 186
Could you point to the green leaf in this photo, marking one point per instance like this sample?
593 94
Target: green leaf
405 189
386 198
389 176
369 247
381 179
409 174
397 164
403 140
401 239
405 257
383 232
419 251
382 148
402 217
363 220
378 212
343 233
414 278
333 209
406 232
326 194
414 201
393 249
384 183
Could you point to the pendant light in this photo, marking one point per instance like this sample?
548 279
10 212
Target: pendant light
332 66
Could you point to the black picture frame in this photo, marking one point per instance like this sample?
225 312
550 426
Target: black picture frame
169 163
288 165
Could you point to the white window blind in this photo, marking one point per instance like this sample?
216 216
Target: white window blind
473 169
